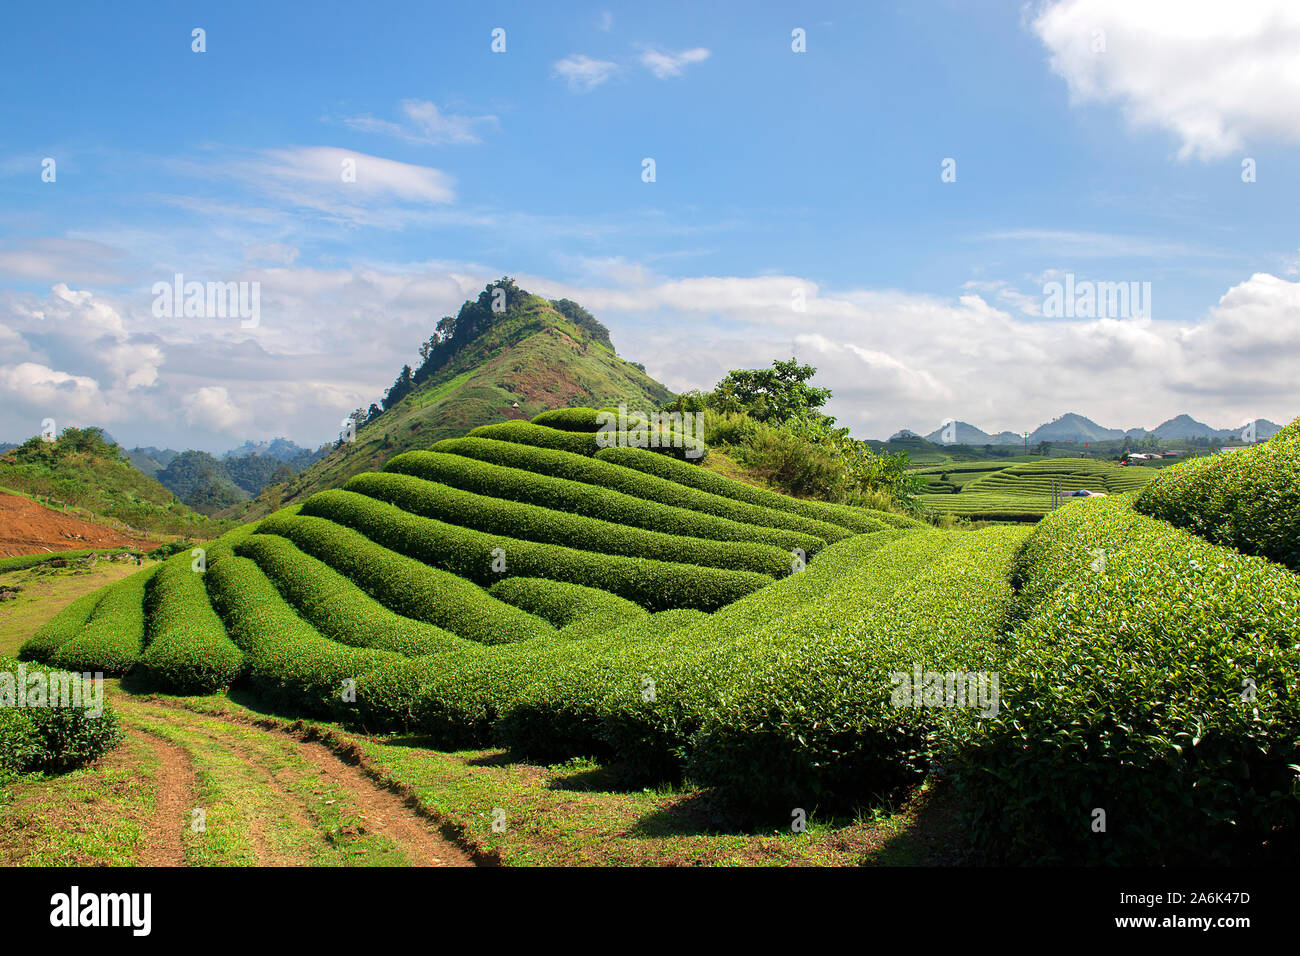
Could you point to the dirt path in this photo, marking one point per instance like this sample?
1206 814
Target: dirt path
386 812
282 775
174 798
29 528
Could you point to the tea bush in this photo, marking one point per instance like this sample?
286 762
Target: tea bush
559 464
338 608
1248 499
188 651
45 738
113 635
1152 675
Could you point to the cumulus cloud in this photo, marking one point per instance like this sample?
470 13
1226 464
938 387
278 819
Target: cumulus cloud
900 359
664 64
584 73
1216 75
211 408
331 340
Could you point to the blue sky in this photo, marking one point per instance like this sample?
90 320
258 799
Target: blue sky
776 171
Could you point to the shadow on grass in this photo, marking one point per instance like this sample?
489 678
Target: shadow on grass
918 829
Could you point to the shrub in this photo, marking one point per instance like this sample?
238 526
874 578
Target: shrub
188 651
289 662
407 586
532 523
573 608
563 494
635 430
655 585
338 608
48 738
636 483
525 433
1248 500
113 635
704 480
569 419
1122 689
793 463
60 629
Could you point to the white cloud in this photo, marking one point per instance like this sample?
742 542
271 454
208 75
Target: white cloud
1217 75
276 253
584 73
665 64
606 21
375 176
331 340
898 359
211 408
338 185
33 392
72 260
426 123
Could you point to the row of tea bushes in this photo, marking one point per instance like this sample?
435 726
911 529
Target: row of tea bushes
405 585
531 522
1152 677
564 494
188 651
338 608
485 559
592 471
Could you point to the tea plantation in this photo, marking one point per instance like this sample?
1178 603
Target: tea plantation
1023 491
525 587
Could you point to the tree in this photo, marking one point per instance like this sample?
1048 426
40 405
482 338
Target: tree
400 388
775 395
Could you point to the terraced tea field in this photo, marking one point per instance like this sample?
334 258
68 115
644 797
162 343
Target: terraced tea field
527 588
1023 492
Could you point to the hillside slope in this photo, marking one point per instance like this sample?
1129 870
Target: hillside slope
531 354
80 470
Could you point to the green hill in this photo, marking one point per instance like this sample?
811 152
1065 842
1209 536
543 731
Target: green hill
480 367
81 470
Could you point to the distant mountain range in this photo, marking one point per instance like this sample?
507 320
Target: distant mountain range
207 483
1077 428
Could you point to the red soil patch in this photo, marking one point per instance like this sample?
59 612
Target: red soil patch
29 528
